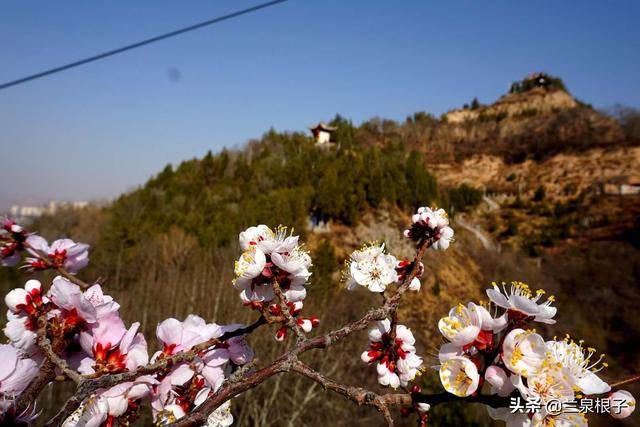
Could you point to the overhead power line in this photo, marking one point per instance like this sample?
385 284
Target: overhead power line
138 44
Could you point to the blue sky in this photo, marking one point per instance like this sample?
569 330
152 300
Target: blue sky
97 130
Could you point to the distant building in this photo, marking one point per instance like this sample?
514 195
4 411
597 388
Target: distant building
622 186
26 214
322 134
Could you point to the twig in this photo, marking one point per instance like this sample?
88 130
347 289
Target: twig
359 395
45 345
282 303
626 381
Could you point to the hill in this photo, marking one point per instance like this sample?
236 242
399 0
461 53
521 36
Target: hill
534 182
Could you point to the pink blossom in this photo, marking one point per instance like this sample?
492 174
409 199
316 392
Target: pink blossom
176 336
12 237
239 350
64 253
113 402
16 371
69 299
113 348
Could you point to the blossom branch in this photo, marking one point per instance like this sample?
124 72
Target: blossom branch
90 383
44 257
284 362
189 380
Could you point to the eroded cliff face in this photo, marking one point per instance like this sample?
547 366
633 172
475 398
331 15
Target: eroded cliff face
563 175
536 124
543 101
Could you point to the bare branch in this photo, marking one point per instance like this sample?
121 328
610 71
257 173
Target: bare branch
626 381
359 395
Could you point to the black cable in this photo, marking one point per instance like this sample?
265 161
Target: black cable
138 44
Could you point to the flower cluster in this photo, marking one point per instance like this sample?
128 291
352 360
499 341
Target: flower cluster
374 269
12 238
269 259
431 224
85 330
502 352
393 353
185 385
62 253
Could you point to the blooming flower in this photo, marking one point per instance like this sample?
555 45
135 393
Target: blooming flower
111 403
16 371
371 268
63 253
459 376
523 352
74 307
579 363
431 224
271 257
397 362
177 336
253 236
187 385
551 383
462 325
221 417
522 303
113 348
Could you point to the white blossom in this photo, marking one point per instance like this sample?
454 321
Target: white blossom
371 268
459 376
519 298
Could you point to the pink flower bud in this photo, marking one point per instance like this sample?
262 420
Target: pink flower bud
305 324
369 355
297 306
34 287
281 334
16 299
499 380
622 404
